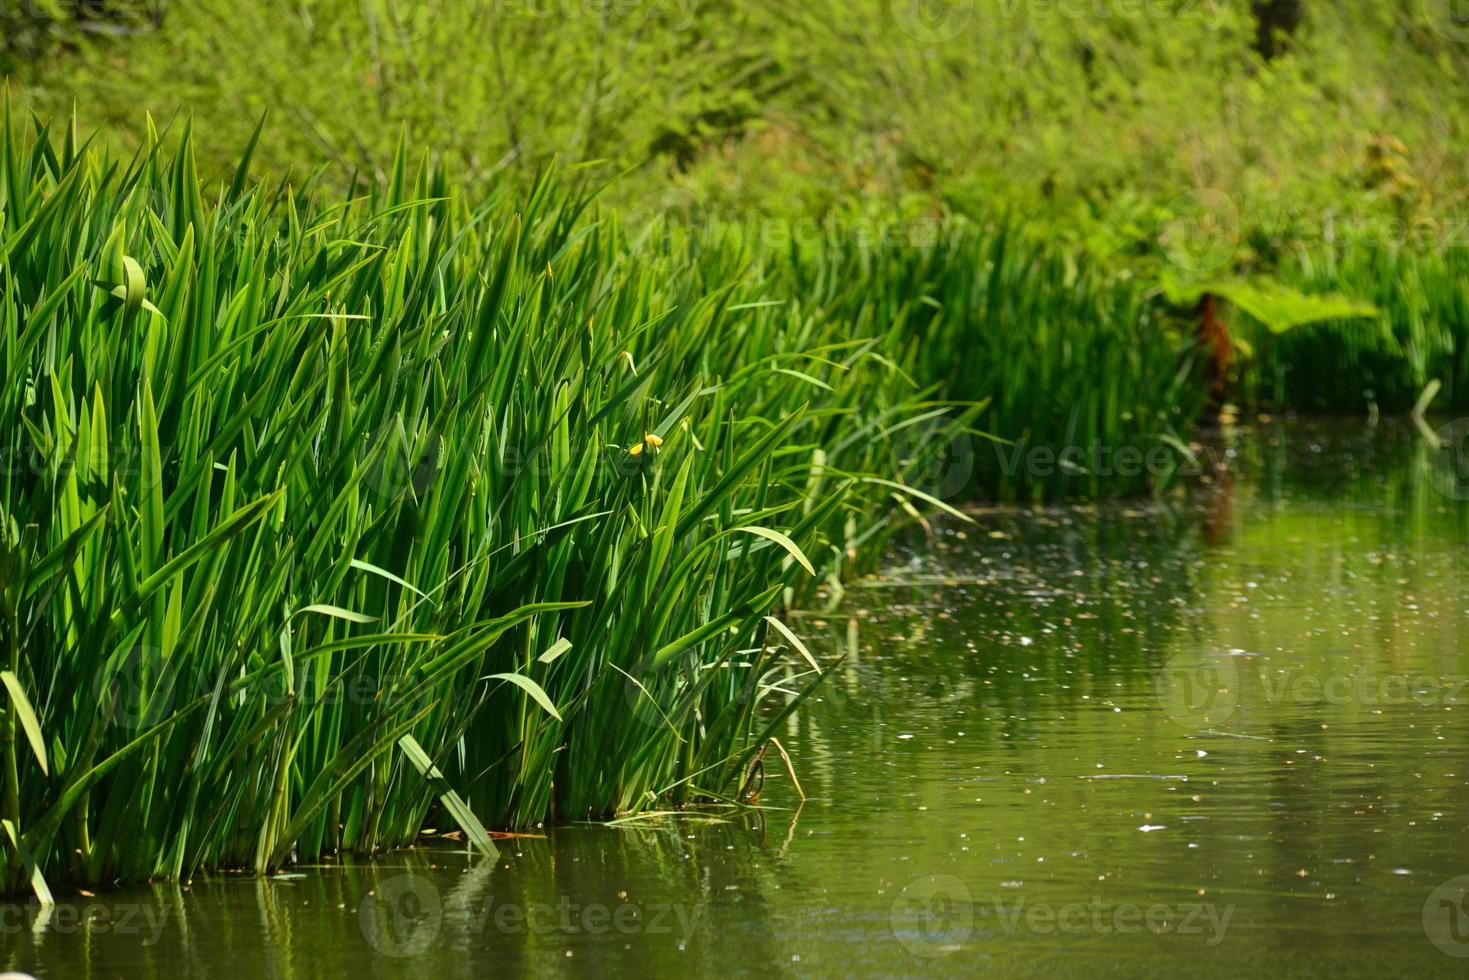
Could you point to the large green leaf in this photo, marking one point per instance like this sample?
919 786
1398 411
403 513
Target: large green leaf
21 705
452 801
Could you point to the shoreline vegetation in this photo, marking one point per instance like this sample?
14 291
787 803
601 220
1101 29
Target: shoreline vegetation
322 512
1300 123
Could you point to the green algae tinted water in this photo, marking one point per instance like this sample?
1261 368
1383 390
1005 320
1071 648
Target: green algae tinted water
1222 735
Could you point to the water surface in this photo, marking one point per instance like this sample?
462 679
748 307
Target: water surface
1223 733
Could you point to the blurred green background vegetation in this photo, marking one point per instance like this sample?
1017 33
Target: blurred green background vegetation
1096 121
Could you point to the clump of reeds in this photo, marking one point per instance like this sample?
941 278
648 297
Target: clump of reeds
317 515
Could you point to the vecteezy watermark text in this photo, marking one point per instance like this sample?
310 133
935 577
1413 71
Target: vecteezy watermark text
144 920
937 914
404 916
1204 691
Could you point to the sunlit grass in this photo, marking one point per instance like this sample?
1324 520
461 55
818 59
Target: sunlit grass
317 515
323 516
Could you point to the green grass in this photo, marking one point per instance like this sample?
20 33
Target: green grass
325 515
1068 356
1092 120
319 514
1382 363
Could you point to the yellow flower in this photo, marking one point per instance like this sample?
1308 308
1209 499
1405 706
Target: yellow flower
650 443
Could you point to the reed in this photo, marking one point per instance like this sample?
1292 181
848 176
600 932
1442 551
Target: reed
1078 363
323 518
1381 363
320 516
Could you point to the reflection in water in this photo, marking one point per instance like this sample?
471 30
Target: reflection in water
1221 733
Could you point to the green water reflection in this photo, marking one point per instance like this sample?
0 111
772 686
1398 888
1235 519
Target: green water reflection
1221 735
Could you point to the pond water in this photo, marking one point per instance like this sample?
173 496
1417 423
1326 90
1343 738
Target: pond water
1225 734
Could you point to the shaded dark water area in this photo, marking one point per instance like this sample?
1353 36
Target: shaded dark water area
1226 733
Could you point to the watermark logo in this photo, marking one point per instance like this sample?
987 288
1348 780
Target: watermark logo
1341 685
1447 18
1102 918
570 918
1202 692
89 13
123 462
1451 462
936 915
1446 917
403 459
144 921
412 21
403 917
1211 13
659 221
934 457
933 916
1199 691
649 693
135 688
403 22
1158 460
659 695
1201 234
932 21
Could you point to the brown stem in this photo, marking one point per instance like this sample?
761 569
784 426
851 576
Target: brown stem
1214 339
